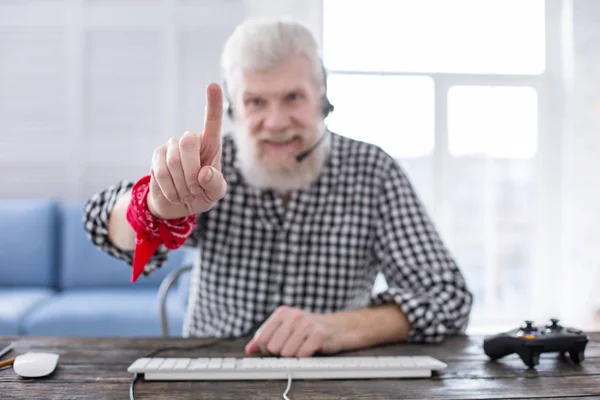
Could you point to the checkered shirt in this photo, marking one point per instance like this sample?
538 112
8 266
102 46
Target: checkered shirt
321 252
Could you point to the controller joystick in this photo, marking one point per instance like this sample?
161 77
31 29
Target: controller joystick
554 325
528 327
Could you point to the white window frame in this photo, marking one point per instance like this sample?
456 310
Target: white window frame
544 282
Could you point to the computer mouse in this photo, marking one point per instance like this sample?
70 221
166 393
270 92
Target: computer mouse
34 365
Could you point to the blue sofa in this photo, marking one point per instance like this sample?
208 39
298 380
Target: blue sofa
55 282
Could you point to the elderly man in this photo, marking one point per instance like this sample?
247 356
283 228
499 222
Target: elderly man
293 222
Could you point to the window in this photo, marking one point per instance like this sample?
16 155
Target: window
492 121
453 93
404 106
458 36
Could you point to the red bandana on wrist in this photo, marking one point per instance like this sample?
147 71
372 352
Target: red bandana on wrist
150 231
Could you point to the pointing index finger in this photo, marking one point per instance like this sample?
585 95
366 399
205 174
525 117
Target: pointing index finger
213 113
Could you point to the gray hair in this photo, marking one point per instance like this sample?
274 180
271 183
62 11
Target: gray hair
262 44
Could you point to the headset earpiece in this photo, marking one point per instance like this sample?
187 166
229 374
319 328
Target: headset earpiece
227 99
327 107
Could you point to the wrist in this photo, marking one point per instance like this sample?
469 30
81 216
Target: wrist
150 231
342 336
142 213
367 327
152 208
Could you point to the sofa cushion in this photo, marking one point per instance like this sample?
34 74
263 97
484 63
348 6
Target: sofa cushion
84 265
103 312
15 304
28 243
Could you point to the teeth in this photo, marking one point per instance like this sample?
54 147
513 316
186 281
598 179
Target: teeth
284 142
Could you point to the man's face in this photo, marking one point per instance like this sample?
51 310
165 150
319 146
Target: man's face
280 112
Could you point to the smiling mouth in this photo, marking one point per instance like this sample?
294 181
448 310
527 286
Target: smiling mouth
282 145
280 142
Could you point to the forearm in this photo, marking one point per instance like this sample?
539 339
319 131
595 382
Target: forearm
369 326
120 232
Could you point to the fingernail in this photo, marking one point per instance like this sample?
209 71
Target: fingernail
209 175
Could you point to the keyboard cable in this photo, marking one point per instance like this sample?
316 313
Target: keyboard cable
289 385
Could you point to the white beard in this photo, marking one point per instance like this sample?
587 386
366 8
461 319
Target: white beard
282 179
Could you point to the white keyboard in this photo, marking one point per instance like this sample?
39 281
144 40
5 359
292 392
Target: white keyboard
251 368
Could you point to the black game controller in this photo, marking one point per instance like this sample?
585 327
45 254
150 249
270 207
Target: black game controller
529 341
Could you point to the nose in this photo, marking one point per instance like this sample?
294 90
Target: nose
277 119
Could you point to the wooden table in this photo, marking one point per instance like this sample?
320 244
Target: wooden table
96 368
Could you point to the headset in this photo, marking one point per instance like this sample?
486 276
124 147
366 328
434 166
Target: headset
327 106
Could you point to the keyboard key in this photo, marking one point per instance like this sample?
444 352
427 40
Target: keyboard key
169 363
154 363
182 363
140 363
198 363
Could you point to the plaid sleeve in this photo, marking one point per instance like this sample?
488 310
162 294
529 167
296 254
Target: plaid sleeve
423 279
95 219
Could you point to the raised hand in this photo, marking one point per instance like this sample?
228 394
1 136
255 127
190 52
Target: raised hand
186 174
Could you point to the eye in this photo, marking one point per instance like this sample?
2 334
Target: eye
293 96
253 102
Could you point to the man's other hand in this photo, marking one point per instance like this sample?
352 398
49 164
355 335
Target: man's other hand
292 332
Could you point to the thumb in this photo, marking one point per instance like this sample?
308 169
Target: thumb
213 183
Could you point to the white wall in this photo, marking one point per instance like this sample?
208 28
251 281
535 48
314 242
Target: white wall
88 88
581 163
